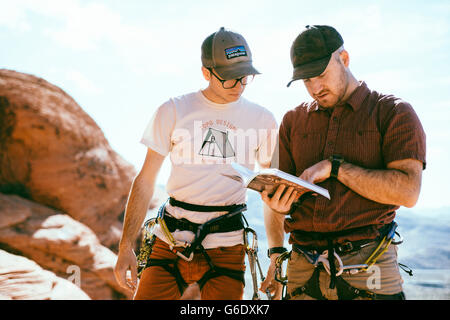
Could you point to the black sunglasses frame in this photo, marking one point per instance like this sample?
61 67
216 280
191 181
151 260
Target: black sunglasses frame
222 81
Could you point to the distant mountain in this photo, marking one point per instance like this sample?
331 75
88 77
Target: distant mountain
426 237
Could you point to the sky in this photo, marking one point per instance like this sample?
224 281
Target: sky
120 60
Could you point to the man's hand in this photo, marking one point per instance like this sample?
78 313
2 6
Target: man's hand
280 202
318 172
126 261
275 288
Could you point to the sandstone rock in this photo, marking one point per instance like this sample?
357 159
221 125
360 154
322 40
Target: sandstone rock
52 152
61 244
23 279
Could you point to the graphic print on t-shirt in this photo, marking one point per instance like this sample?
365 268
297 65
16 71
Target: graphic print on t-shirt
216 144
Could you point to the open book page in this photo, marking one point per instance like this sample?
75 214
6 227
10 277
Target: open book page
270 179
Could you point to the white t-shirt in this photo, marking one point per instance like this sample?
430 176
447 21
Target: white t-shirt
203 138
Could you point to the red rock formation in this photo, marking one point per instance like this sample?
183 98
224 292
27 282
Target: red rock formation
58 243
23 279
52 152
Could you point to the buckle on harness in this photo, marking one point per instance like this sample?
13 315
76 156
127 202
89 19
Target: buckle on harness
345 247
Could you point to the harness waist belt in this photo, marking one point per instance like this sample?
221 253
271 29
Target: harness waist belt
325 236
226 224
340 248
202 208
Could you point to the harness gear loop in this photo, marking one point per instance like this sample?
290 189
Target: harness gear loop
380 250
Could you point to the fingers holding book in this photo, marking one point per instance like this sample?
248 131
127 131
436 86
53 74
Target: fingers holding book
283 198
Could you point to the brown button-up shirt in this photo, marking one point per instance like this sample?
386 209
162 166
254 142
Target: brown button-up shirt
369 131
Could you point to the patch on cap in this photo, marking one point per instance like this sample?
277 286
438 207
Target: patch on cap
235 52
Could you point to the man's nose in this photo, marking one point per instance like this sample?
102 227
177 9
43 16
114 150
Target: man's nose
316 86
239 86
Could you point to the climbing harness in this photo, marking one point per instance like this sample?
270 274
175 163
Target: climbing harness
251 247
231 221
330 261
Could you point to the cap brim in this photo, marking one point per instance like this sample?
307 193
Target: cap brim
236 70
310 70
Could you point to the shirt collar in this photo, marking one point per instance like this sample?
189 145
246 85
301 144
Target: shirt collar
358 96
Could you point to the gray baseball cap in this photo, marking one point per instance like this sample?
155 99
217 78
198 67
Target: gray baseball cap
229 54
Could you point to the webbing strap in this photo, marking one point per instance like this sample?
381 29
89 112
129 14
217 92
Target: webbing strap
224 224
332 264
217 272
347 292
202 208
311 288
174 271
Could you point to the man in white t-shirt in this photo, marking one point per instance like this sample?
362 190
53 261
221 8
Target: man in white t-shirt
203 132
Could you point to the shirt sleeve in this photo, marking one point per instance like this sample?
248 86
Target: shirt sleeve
282 157
158 133
404 137
268 139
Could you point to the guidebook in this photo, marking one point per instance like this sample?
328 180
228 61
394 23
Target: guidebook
270 179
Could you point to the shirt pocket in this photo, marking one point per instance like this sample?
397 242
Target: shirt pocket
361 147
307 149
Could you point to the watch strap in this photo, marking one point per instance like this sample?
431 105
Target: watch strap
336 162
273 250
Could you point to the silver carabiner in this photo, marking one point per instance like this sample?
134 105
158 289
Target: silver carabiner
254 244
323 258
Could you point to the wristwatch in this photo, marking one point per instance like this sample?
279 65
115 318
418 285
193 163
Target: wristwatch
336 161
273 250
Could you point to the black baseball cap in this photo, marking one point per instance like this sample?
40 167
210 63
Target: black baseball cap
229 54
312 49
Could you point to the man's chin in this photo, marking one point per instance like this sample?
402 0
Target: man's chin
233 97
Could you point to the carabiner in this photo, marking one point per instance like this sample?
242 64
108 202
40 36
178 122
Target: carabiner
283 279
323 258
254 243
149 227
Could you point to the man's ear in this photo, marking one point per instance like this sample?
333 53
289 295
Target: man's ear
345 58
206 74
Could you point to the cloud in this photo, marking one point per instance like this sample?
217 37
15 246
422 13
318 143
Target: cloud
78 26
13 16
82 82
92 26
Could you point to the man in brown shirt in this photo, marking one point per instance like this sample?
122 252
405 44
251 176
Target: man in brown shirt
368 150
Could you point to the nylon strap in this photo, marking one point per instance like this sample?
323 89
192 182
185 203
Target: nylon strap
202 208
